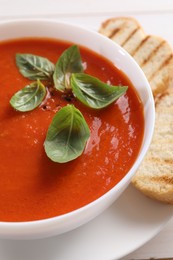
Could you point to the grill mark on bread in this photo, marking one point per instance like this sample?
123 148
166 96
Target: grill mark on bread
163 64
106 23
140 44
162 179
152 53
158 160
169 161
130 36
114 32
117 30
160 97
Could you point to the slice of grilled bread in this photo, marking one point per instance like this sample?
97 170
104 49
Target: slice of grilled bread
152 53
155 175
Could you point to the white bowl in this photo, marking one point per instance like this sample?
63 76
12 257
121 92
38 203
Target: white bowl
113 52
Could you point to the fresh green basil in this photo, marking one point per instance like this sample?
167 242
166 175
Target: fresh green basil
69 62
68 132
94 93
29 97
67 135
34 67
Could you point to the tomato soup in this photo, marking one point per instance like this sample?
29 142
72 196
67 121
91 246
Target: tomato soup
32 187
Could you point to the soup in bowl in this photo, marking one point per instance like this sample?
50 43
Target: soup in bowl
77 118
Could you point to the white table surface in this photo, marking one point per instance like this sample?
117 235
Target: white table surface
156 17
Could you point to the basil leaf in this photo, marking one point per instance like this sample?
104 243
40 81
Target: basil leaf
94 93
34 67
67 135
69 62
29 97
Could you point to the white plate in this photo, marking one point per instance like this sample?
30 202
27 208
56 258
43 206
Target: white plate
125 226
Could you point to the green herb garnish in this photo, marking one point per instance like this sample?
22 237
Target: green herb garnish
93 92
68 133
68 63
29 97
34 67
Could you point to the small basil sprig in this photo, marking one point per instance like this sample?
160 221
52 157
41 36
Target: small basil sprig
68 63
93 92
67 135
34 67
29 97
